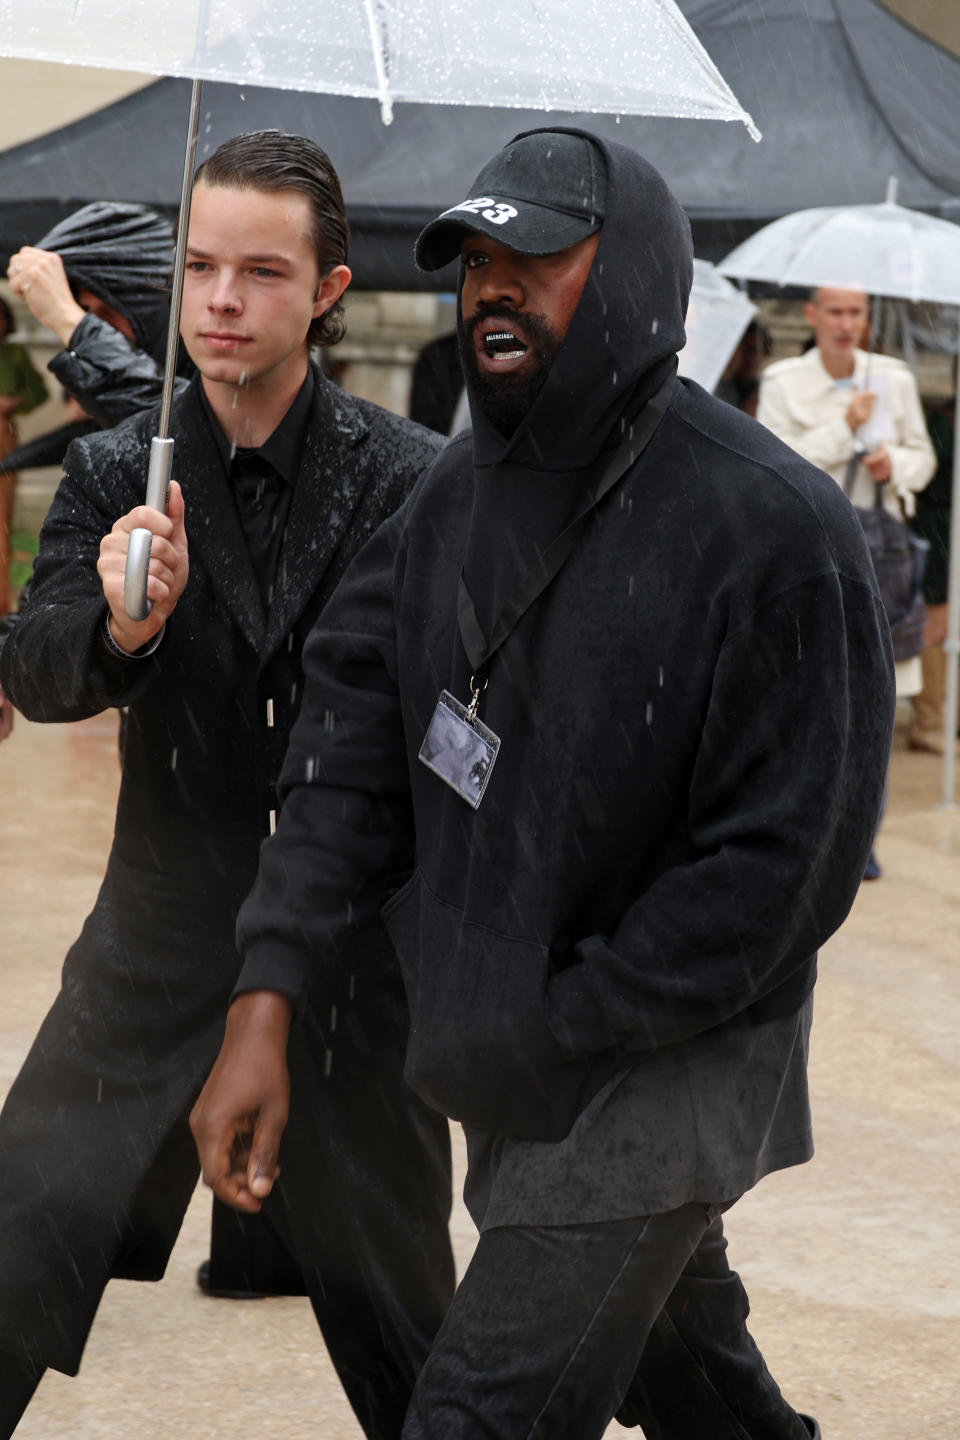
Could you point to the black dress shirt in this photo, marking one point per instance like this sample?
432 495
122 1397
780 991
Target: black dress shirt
262 481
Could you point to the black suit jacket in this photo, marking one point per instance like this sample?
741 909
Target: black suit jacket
146 985
211 710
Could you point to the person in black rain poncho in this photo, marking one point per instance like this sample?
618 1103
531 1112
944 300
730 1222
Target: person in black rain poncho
98 280
662 630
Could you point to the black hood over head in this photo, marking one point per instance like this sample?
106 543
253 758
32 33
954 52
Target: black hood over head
625 332
621 345
123 254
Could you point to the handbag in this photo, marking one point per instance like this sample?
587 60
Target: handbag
899 561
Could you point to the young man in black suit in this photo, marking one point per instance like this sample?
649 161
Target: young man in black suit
280 478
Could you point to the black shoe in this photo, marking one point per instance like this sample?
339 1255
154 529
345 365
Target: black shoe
812 1426
222 1292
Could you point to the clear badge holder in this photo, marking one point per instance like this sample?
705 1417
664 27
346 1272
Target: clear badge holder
460 748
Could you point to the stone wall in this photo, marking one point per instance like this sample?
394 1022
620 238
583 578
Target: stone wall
386 331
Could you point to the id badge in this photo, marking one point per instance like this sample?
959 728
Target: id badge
460 750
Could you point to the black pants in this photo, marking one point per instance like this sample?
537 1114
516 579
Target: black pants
97 1167
367 1220
247 1257
18 1380
557 1329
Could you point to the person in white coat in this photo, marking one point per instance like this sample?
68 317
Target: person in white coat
836 402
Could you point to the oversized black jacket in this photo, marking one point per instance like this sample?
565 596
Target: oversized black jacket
111 378
694 722
695 719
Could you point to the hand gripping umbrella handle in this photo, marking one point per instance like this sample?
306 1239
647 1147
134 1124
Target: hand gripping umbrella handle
135 600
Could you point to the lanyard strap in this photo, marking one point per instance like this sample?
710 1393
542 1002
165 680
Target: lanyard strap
479 649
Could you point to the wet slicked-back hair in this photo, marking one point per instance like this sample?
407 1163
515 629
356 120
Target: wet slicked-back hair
271 161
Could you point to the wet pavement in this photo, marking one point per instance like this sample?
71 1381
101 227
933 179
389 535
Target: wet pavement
852 1262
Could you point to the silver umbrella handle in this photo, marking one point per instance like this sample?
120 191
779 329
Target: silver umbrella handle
135 600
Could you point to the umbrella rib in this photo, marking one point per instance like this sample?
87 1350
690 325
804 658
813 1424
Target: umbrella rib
380 63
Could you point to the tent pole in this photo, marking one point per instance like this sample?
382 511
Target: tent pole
952 643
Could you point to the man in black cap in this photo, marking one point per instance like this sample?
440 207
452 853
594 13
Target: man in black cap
612 689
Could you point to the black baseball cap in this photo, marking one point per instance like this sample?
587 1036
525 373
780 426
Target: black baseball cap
542 192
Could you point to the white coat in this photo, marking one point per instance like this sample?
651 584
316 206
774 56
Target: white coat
803 405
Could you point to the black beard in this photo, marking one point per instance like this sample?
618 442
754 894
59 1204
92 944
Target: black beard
506 399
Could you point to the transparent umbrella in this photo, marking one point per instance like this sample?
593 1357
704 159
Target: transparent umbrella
717 316
613 56
637 57
883 249
890 251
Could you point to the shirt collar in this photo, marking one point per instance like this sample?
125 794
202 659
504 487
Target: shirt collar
826 380
282 448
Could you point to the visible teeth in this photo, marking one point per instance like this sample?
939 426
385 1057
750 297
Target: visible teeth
497 341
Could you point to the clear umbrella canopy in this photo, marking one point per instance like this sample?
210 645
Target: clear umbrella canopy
614 56
890 251
883 249
717 316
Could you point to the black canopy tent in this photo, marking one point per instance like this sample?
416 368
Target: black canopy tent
846 95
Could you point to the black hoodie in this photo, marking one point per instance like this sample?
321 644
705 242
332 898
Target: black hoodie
695 720
621 344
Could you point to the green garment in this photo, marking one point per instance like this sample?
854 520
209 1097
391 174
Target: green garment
19 377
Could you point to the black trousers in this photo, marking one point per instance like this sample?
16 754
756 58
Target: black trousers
557 1329
97 1167
367 1220
247 1257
